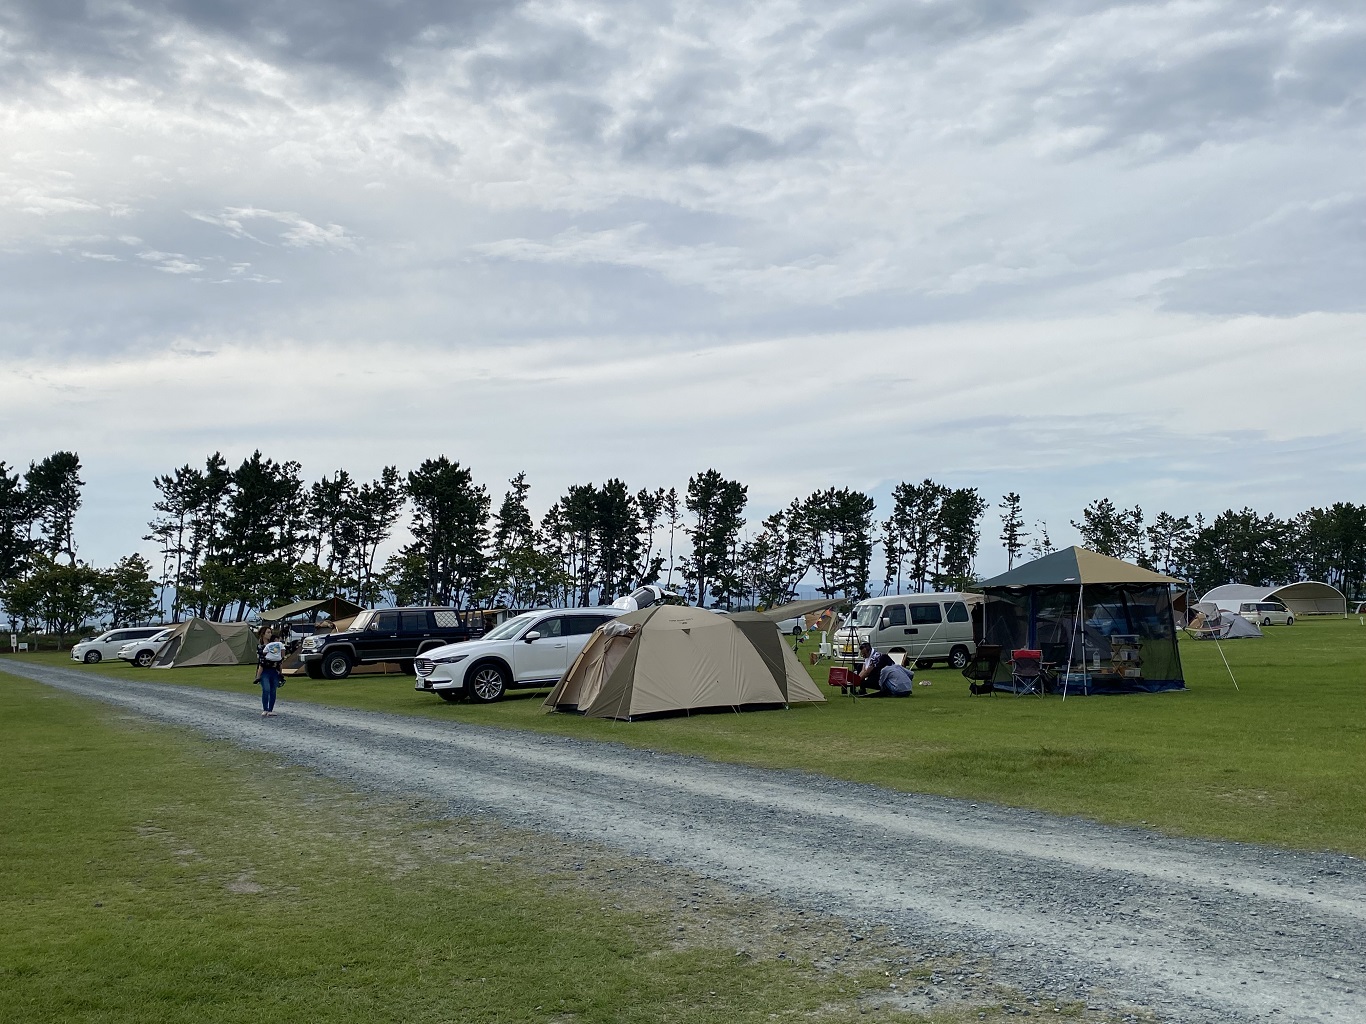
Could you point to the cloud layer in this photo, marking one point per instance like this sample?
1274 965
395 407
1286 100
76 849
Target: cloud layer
957 216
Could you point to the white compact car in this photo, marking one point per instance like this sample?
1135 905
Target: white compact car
143 652
109 643
528 650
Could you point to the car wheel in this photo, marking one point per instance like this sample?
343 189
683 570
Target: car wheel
1266 621
1290 620
487 683
144 659
336 666
91 657
959 658
796 630
450 696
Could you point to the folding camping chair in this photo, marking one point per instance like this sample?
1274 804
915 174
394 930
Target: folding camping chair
981 670
1026 672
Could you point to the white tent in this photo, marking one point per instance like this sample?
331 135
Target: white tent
1307 597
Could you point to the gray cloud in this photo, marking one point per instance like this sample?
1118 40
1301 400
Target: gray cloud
355 37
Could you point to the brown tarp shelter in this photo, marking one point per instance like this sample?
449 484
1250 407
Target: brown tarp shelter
676 658
791 611
201 642
335 607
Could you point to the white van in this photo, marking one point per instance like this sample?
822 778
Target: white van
927 627
1266 613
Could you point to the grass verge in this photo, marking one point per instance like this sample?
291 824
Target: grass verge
1275 760
149 876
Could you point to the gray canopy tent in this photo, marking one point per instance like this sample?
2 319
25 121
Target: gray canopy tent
1103 624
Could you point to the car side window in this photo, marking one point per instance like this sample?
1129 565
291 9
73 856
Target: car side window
579 625
446 618
957 611
553 626
925 614
414 622
122 635
384 622
895 615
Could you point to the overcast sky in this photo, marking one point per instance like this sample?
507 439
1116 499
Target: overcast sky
1073 249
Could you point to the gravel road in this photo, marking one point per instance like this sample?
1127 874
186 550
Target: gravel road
1062 908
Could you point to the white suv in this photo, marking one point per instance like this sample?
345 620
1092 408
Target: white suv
531 649
143 652
108 644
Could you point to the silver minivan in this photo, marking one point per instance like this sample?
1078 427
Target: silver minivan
1266 613
925 627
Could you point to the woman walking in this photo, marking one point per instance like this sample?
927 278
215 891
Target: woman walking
269 654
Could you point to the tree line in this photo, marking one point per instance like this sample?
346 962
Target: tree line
233 539
42 582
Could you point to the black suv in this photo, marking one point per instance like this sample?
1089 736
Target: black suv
385 634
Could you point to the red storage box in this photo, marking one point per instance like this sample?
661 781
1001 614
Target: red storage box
839 676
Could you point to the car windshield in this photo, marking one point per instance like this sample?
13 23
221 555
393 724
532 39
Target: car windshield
511 627
165 634
866 615
359 622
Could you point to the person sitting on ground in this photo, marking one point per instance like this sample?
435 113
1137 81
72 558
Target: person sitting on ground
894 681
871 669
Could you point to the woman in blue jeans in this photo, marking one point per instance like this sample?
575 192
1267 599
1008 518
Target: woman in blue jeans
269 654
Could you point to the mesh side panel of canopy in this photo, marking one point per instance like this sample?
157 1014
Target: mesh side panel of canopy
1074 627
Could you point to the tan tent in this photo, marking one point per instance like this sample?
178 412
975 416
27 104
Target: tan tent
672 658
201 642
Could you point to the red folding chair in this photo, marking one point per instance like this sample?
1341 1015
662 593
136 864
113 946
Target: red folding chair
1026 672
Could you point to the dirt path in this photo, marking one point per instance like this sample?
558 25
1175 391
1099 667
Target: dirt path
1063 908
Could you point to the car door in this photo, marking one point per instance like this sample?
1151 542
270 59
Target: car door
414 628
544 658
379 642
928 622
110 646
891 629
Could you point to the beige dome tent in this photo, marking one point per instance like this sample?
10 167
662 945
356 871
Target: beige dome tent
201 642
674 658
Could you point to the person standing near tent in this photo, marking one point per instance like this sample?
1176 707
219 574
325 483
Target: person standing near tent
269 656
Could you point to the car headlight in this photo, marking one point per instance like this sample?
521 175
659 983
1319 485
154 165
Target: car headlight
449 659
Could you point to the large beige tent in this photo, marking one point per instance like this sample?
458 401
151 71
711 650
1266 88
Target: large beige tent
676 658
201 642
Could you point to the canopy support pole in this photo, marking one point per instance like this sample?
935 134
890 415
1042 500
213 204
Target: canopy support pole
1072 646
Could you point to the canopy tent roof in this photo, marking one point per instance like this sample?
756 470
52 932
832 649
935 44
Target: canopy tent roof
336 608
669 658
795 608
1076 566
1307 597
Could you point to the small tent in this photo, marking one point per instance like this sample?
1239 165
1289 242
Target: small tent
201 642
1211 622
670 658
1104 624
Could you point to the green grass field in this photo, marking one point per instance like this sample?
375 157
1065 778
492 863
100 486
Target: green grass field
148 875
1277 760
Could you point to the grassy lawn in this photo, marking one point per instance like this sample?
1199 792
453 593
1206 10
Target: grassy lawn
147 875
1276 761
